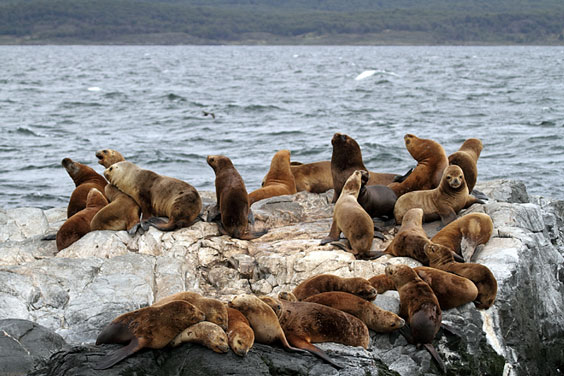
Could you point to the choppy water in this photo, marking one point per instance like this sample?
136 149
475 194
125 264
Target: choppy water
147 102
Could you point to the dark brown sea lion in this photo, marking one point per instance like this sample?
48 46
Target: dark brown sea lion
467 159
411 239
108 157
328 282
431 162
204 333
84 178
122 213
377 200
278 181
149 327
157 195
312 177
239 332
78 225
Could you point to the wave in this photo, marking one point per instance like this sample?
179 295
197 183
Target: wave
176 98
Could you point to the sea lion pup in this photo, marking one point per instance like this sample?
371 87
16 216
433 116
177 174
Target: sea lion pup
450 289
278 181
204 333
431 162
122 213
411 239
347 158
312 177
305 323
328 282
78 225
377 200
374 317
475 228
214 309
239 332
157 195
418 306
108 157
467 159
262 319
84 178
232 199
442 202
149 327
441 257
351 219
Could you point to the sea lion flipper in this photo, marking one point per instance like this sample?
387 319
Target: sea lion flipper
379 235
333 234
342 245
213 214
50 237
471 200
479 195
116 356
435 356
401 178
251 217
447 216
303 344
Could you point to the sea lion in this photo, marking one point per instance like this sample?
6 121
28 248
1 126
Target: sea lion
306 323
232 199
475 228
411 238
377 200
215 310
442 202
149 327
262 319
312 177
108 157
78 225
239 332
450 289
374 317
431 162
328 282
204 333
157 195
122 213
440 257
287 295
351 219
84 178
347 158
467 159
278 181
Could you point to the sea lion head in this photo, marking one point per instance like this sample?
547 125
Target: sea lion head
217 313
364 176
217 162
287 295
108 157
438 254
361 287
117 169
71 166
473 145
453 177
400 274
273 303
408 138
339 139
353 183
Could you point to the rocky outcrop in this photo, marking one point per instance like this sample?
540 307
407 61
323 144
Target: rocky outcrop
76 292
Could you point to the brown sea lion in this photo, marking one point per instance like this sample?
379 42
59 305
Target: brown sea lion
232 199
411 239
278 181
215 310
239 332
157 195
122 213
431 162
307 323
204 333
347 158
374 317
475 228
108 157
312 177
78 225
467 159
328 282
149 327
450 289
443 202
377 200
351 219
84 178
440 257
287 295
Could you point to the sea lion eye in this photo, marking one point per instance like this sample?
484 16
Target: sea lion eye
448 178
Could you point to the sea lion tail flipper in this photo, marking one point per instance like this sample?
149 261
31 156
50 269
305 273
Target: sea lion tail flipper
435 355
296 163
479 195
250 235
118 355
379 235
50 237
251 217
400 178
341 245
457 257
303 344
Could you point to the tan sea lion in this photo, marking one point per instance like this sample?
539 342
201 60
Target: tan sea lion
78 225
287 295
239 332
443 202
347 158
204 333
411 238
215 310
108 157
475 228
377 200
149 327
467 159
431 162
328 282
374 317
278 181
312 177
440 257
157 195
450 289
122 212
351 219
84 178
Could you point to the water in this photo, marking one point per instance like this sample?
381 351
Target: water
147 102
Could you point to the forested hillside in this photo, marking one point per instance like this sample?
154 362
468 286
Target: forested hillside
280 22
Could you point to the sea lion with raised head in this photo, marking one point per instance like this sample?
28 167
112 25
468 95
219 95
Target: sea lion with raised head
328 282
84 178
204 333
278 181
122 212
467 159
377 200
108 157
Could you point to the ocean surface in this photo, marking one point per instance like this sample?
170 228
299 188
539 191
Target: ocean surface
148 101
